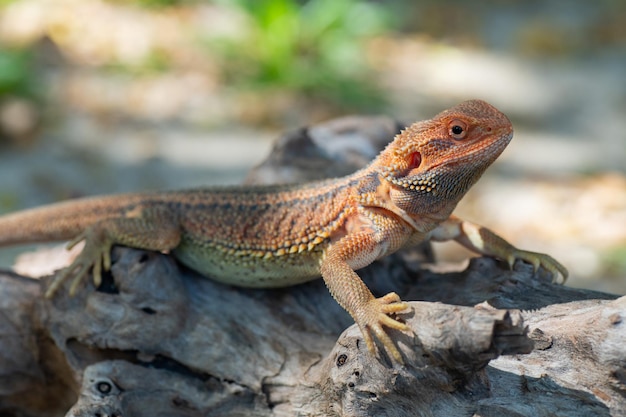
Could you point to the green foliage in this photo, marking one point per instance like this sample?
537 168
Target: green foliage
315 48
16 75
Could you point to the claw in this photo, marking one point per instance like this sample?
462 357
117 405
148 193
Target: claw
390 298
56 283
541 260
390 347
106 259
511 261
376 316
78 277
96 255
536 264
369 342
393 324
70 245
97 273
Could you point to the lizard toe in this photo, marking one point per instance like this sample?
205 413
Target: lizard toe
57 281
541 260
78 277
387 343
375 318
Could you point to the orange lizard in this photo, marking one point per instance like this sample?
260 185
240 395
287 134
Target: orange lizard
273 236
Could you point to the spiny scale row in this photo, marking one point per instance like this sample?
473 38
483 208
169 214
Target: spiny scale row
287 247
268 254
423 185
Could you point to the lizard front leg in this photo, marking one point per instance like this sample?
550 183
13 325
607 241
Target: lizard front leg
484 241
153 229
351 252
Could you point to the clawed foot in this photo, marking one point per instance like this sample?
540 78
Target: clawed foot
96 255
539 260
376 315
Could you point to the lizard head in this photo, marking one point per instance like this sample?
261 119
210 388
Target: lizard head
432 164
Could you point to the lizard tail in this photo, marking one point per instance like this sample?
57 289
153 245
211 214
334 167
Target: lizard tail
61 221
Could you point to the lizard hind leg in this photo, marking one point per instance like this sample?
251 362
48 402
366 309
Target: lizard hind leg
96 255
153 230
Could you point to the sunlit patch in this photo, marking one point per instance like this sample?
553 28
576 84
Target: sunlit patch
472 232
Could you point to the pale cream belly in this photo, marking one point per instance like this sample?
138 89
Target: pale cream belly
249 270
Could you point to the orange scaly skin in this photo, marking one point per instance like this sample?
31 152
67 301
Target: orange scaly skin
283 235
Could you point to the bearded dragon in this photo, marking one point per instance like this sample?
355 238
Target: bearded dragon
275 236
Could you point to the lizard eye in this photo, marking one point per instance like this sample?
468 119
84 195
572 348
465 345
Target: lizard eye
457 129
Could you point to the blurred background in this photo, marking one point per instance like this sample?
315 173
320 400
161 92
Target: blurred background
124 95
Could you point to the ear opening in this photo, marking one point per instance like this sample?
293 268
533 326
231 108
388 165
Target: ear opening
415 160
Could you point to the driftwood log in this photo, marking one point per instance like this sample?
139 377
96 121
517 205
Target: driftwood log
156 339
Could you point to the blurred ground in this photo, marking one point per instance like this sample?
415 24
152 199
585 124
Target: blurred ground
118 96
